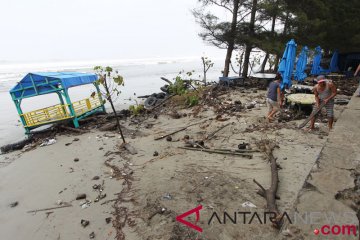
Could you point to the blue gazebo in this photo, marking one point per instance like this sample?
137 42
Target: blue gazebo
40 83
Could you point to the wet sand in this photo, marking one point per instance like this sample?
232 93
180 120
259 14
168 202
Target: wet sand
139 185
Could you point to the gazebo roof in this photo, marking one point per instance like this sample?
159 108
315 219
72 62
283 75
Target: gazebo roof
39 83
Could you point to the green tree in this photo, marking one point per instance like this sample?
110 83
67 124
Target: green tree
110 80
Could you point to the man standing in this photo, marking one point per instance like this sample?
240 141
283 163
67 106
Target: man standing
324 91
274 99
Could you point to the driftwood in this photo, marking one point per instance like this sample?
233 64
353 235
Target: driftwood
162 102
218 152
270 194
166 80
108 126
312 115
47 209
77 130
211 135
182 129
16 146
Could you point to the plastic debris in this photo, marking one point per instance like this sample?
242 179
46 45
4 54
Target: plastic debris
248 204
167 196
48 142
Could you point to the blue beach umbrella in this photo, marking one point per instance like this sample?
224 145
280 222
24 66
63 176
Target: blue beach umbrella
286 65
315 70
334 62
300 74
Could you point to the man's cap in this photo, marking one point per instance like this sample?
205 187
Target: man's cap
320 78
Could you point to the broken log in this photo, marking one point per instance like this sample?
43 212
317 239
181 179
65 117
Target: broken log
16 146
218 152
211 135
77 130
108 126
270 194
166 80
182 129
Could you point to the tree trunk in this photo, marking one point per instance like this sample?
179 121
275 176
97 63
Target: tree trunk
263 65
232 39
246 60
113 108
272 35
251 34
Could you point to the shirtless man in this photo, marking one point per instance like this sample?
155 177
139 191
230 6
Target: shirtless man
324 91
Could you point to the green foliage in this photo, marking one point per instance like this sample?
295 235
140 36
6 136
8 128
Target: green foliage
192 100
178 87
136 109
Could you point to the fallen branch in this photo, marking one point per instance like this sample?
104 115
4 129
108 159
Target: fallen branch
270 194
312 115
182 129
211 135
218 152
162 102
47 209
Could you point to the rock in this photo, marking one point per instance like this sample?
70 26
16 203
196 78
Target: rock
76 159
108 220
97 186
14 204
156 154
92 235
76 139
84 223
169 138
81 196
101 148
96 178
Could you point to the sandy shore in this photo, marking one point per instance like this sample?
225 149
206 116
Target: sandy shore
144 193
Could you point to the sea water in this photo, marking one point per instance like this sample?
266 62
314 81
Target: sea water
141 77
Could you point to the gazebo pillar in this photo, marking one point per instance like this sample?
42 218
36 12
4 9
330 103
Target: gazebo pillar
71 107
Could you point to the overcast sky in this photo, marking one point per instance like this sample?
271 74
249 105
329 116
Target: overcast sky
34 30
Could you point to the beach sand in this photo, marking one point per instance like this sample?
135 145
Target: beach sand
144 193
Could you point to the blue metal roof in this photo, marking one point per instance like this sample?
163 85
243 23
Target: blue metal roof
39 83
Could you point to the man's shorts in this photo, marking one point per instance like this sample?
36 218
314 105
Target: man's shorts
272 104
329 108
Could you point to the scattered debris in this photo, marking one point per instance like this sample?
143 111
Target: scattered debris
81 196
95 178
92 235
155 154
169 138
167 196
14 204
248 204
84 223
76 159
108 220
48 142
